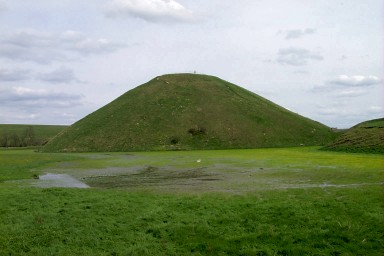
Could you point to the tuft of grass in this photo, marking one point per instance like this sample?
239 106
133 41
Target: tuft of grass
189 112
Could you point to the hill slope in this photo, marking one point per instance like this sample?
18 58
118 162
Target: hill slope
366 137
188 111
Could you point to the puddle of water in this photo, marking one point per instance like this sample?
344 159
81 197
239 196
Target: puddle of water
325 185
50 180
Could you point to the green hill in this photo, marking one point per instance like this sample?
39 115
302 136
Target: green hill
366 137
189 111
19 135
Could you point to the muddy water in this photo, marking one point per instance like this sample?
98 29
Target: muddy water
50 180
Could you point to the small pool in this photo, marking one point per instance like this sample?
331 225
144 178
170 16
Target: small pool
50 180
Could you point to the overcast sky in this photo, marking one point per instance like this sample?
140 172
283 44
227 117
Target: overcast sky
61 60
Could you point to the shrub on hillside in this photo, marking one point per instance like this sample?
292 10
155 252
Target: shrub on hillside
197 130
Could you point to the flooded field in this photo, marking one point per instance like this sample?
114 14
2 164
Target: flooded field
292 201
231 171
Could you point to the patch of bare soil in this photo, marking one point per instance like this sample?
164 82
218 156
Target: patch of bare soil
154 177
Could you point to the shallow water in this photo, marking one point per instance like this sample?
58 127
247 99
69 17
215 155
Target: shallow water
50 180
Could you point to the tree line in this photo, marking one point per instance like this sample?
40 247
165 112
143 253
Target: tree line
25 139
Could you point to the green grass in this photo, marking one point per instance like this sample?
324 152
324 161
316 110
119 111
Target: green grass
366 137
42 133
18 164
187 111
94 222
255 202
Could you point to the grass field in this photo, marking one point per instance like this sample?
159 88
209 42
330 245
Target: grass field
297 201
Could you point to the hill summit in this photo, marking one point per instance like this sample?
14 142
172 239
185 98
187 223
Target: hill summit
185 112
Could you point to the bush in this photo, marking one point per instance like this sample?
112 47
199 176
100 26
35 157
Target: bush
197 130
174 140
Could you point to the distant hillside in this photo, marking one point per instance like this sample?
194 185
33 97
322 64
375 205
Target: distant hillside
366 137
20 135
189 111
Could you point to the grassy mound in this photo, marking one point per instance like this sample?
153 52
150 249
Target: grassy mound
188 111
366 137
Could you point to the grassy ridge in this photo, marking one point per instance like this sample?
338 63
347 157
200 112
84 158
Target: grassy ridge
366 137
40 133
187 111
302 221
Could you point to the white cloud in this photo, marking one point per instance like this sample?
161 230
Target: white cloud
44 47
331 111
19 116
345 86
350 93
61 75
297 33
2 7
297 56
356 81
151 10
80 43
8 75
24 97
378 110
346 116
